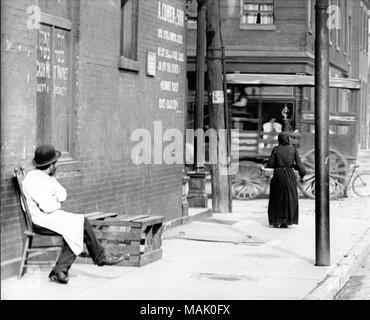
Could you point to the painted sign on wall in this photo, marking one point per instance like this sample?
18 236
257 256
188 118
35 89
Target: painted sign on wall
170 62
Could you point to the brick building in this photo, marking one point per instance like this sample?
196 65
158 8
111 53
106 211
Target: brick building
277 37
368 96
84 75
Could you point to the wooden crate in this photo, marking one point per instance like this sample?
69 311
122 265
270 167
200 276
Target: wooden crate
138 238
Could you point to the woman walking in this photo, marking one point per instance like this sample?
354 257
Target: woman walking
283 198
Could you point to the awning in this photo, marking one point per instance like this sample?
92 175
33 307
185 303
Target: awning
288 80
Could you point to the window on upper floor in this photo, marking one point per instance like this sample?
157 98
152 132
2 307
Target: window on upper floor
129 41
310 14
365 29
335 23
330 29
361 23
257 12
349 39
191 14
339 24
367 32
344 26
129 29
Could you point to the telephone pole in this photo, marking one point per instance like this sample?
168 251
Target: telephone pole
219 171
200 72
322 134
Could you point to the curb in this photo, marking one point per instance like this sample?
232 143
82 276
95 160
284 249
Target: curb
342 271
186 219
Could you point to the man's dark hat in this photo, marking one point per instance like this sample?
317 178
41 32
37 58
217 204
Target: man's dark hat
45 154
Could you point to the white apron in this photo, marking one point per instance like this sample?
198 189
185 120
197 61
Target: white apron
44 195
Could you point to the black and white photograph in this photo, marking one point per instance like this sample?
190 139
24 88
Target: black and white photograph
185 155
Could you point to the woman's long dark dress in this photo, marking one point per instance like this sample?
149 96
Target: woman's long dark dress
283 198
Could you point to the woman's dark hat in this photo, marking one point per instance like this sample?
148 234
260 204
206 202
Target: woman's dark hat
44 155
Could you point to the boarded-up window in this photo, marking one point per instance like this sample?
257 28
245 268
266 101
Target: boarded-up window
53 95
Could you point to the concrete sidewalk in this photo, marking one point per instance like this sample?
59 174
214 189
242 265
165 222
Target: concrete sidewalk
225 256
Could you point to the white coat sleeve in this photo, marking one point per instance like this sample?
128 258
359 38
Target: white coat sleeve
60 191
43 195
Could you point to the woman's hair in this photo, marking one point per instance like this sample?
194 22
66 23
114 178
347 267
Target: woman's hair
283 138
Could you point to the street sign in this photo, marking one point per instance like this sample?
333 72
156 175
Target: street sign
217 96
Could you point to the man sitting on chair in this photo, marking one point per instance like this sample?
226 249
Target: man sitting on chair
44 196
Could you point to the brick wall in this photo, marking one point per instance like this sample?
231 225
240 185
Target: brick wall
290 19
263 50
108 104
282 50
18 97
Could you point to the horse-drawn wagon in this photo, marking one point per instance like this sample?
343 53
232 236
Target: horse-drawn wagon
261 106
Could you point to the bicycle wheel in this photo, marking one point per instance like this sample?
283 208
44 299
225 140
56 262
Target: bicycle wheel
361 184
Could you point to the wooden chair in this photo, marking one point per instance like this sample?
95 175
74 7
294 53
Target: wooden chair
31 230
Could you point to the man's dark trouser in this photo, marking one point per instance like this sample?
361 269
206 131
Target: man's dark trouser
67 257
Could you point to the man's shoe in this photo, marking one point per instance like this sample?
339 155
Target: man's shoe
109 260
59 277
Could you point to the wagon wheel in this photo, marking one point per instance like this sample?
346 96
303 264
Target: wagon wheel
337 174
248 183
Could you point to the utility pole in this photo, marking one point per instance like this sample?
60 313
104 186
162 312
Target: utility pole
197 196
200 72
322 134
227 125
219 171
